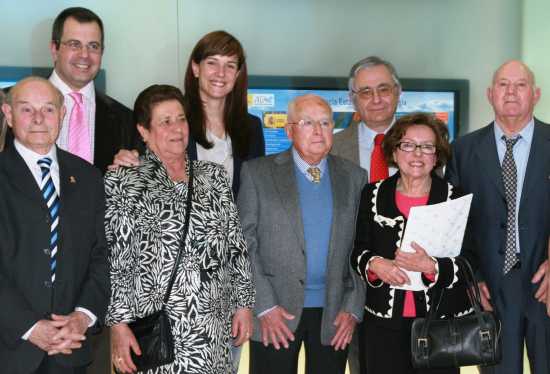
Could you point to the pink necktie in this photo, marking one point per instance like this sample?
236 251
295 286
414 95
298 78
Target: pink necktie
79 135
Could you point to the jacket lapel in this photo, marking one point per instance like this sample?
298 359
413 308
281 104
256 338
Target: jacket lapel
339 183
486 153
21 177
285 183
538 160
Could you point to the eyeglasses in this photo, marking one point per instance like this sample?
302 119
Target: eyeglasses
77 46
427 149
367 93
310 123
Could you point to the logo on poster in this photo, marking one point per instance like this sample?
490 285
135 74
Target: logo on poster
261 100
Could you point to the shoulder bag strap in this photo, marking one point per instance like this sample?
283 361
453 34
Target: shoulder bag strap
183 237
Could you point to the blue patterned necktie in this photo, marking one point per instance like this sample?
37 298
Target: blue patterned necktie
510 179
52 201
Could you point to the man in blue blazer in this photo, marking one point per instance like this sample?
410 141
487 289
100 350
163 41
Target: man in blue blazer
54 275
506 165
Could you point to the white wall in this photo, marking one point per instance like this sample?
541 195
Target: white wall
150 41
535 50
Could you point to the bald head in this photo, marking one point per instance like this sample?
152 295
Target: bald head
24 83
513 96
299 102
34 110
516 64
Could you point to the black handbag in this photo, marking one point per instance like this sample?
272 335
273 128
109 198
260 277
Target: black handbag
452 342
153 332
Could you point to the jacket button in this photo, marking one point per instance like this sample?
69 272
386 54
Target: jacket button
503 225
48 284
47 251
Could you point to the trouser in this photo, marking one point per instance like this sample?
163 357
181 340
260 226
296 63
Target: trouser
320 359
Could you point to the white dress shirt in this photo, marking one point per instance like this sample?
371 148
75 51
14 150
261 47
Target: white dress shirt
31 159
88 97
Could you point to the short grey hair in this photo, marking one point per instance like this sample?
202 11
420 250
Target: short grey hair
369 62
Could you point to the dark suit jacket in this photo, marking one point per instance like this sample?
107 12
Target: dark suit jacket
82 276
256 149
475 167
270 213
114 130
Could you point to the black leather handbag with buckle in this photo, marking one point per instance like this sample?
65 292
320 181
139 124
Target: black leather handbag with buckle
473 339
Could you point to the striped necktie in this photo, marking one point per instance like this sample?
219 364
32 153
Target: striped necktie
52 201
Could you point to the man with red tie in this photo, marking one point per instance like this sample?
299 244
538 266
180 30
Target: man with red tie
374 90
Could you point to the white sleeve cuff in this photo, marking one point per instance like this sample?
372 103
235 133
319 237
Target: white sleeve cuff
27 335
266 311
90 315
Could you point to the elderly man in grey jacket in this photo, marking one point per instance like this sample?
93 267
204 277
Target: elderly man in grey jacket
298 211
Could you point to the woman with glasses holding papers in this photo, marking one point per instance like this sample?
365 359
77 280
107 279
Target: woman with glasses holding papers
417 145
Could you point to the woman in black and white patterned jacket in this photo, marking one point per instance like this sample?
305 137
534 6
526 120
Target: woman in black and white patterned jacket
213 292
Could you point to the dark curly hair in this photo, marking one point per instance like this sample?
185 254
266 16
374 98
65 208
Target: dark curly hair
400 127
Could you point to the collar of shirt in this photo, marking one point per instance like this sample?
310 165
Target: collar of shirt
88 91
526 134
303 166
31 158
366 135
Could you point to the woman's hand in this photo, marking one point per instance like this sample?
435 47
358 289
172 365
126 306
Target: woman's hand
388 271
415 261
241 327
122 340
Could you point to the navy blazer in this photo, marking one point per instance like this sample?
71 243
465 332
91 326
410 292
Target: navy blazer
82 276
256 149
475 167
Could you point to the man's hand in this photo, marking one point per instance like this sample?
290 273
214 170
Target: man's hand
541 276
125 157
43 335
274 328
485 297
72 333
345 324
241 327
122 340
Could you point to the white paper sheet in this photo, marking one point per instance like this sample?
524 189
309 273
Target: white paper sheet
439 229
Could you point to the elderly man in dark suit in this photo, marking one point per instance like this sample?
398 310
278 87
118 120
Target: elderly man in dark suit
506 165
54 276
298 212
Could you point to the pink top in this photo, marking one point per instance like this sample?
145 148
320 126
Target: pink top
404 204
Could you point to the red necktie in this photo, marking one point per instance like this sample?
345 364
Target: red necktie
378 166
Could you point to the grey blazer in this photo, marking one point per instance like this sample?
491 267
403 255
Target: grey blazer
346 143
272 224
